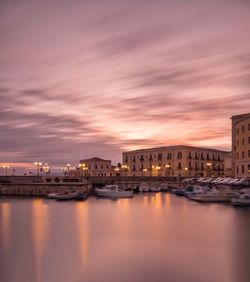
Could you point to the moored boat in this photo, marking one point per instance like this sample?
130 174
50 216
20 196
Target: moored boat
213 196
54 195
67 196
113 191
144 187
242 200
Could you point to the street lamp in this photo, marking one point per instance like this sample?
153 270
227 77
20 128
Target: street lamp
186 169
46 169
38 164
68 167
6 169
83 167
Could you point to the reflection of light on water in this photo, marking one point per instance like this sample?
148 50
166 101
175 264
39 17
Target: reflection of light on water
6 213
83 230
168 200
123 213
40 231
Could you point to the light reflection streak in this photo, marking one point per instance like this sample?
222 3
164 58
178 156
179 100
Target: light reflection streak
5 230
83 230
40 231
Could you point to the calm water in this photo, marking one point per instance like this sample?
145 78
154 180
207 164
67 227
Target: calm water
148 238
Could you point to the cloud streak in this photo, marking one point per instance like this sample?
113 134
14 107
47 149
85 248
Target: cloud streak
100 77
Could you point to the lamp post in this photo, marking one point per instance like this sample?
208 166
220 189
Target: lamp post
84 168
68 167
6 169
186 170
46 169
124 169
38 164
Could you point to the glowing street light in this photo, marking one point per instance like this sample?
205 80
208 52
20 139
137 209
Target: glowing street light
46 169
38 164
84 168
68 167
6 169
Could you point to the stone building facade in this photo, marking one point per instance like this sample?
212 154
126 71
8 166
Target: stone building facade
241 145
93 167
185 161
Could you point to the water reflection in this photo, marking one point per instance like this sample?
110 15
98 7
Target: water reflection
40 223
5 209
152 237
83 229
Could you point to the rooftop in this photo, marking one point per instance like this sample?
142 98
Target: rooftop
95 159
176 147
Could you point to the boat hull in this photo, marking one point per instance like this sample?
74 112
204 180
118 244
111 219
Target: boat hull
240 202
114 194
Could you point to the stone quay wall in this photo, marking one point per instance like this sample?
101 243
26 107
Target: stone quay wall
41 189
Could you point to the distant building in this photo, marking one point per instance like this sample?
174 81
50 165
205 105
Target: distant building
187 161
241 145
96 167
93 167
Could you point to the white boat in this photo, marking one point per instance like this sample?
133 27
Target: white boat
243 200
195 189
54 195
164 187
212 196
113 191
154 189
67 196
144 187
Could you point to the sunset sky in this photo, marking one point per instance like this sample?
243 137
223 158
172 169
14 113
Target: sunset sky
94 78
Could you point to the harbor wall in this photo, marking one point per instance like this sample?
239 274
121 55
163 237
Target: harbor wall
41 189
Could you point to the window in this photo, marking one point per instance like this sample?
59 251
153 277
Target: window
243 141
248 153
237 142
249 140
237 130
159 157
179 155
249 168
237 155
243 128
126 159
237 169
101 166
243 154
95 166
243 169
169 156
249 127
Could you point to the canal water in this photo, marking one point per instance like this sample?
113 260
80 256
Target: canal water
150 238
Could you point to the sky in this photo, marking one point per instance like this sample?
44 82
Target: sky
95 78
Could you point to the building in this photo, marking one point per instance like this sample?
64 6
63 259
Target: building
186 161
241 145
228 165
93 167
